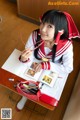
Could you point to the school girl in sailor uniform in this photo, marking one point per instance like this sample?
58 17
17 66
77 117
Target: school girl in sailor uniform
51 44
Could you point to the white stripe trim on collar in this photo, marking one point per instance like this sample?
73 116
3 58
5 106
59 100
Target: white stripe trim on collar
63 48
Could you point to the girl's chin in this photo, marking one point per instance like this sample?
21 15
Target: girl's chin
44 38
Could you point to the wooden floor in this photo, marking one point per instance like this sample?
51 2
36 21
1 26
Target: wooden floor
12 30
73 109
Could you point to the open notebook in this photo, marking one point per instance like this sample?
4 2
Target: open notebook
47 77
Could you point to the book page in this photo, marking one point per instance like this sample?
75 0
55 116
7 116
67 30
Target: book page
30 71
48 77
13 65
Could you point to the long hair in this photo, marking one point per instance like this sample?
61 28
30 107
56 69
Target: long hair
58 19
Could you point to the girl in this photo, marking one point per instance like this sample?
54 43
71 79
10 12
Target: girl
51 44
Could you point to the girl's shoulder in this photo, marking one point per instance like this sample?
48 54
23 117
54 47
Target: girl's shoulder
63 44
64 41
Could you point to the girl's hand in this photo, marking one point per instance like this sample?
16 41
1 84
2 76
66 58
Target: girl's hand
26 54
38 67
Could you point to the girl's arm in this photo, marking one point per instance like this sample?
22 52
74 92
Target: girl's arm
27 54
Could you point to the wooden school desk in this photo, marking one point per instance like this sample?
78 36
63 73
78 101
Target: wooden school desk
13 68
4 81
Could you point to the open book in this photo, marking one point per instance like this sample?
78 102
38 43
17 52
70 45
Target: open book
45 76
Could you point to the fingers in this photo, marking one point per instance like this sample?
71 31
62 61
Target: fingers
25 54
26 51
38 68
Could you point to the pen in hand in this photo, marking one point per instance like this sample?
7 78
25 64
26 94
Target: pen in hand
26 54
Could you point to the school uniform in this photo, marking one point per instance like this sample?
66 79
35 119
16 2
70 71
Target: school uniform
64 50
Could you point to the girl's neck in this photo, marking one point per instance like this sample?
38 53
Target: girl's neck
48 44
